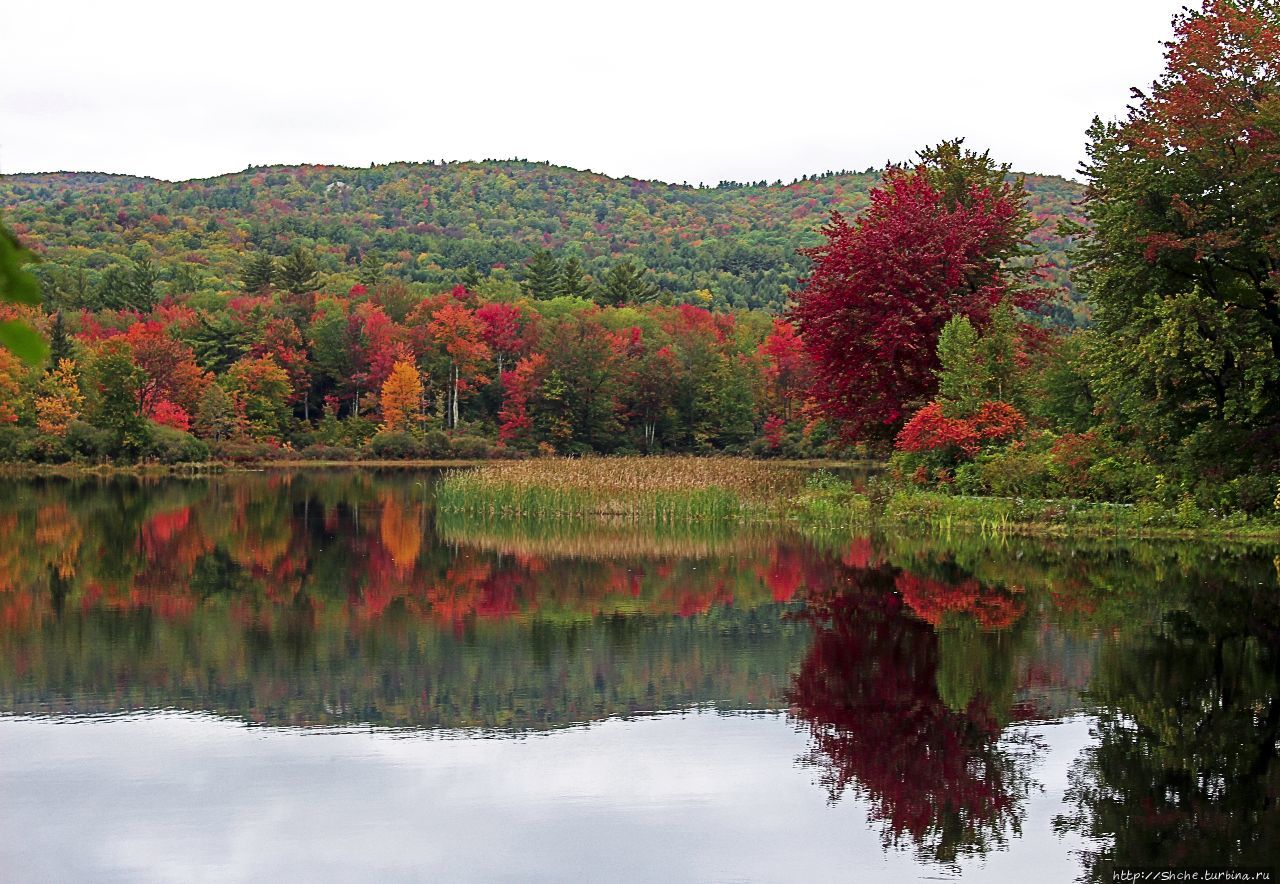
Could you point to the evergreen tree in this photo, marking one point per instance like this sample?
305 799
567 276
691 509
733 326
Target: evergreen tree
542 276
142 280
258 274
185 279
371 269
59 341
470 278
298 273
573 281
625 284
114 291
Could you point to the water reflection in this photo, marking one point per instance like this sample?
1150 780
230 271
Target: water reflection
917 671
911 723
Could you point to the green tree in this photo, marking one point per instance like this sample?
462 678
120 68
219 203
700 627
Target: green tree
112 381
962 378
1181 256
976 368
261 391
298 272
542 276
371 269
259 273
626 284
142 280
573 281
216 415
59 341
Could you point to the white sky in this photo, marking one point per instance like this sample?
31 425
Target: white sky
679 91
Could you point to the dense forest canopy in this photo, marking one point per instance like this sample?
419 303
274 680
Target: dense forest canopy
733 245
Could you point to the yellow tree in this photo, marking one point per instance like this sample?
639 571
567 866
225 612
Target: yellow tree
60 399
401 397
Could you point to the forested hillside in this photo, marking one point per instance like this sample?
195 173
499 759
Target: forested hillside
733 245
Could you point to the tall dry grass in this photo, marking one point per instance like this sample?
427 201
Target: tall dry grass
650 489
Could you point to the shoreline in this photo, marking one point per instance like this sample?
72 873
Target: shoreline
832 507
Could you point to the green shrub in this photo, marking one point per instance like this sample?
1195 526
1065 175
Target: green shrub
16 443
1254 495
321 451
470 447
437 444
86 442
396 446
1015 471
169 445
1121 479
247 452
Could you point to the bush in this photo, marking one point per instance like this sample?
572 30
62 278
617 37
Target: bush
170 445
395 446
320 451
437 444
248 452
1121 479
87 442
1016 471
16 443
1252 495
471 447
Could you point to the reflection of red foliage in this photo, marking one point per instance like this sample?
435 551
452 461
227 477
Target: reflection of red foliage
931 600
868 693
785 573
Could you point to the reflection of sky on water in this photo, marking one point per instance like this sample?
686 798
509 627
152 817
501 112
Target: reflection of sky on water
691 797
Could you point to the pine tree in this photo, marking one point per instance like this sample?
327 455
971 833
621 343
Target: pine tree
962 377
258 274
542 276
470 278
625 284
298 272
142 280
59 341
371 269
573 282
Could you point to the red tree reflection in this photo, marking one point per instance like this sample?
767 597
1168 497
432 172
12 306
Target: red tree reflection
867 691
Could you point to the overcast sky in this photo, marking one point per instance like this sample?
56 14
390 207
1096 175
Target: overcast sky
679 91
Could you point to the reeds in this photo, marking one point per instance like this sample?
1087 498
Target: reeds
603 537
654 490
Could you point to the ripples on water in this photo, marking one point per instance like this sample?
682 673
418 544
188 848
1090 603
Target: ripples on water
310 676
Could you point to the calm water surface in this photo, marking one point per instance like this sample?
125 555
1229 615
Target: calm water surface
315 676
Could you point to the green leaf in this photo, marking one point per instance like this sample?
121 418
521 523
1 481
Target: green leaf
23 341
16 285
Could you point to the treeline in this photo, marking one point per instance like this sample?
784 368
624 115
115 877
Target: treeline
279 370
443 224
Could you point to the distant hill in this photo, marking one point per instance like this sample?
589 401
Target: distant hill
430 222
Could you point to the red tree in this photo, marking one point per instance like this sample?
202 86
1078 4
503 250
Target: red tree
520 385
882 288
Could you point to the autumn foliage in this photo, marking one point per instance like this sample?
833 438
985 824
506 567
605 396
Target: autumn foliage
884 285
401 397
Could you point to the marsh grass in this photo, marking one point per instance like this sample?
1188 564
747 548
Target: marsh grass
603 537
652 490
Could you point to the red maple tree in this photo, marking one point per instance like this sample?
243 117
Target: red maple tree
883 286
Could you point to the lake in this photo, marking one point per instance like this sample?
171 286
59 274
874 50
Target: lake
314 676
